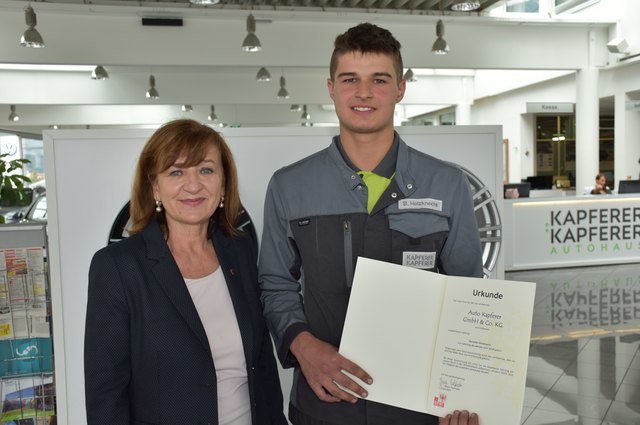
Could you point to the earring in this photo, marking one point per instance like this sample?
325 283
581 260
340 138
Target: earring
158 206
221 205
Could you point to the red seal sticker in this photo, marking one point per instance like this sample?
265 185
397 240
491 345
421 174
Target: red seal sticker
438 401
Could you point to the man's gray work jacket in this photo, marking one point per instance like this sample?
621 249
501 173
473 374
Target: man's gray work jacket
316 225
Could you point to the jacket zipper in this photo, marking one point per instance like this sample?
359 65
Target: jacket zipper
348 252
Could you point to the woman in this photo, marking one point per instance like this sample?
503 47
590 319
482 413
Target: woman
601 186
174 330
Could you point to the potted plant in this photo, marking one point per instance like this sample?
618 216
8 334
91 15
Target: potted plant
12 190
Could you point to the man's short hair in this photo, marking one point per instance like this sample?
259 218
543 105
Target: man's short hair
367 38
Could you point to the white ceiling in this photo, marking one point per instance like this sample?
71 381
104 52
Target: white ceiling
201 63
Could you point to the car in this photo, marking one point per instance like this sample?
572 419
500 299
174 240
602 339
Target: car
37 212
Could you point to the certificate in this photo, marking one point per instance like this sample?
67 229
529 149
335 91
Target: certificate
435 343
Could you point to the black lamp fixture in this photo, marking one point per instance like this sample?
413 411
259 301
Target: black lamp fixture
31 37
99 73
409 76
212 115
440 46
152 93
204 2
251 42
187 108
13 116
282 93
465 5
305 115
263 75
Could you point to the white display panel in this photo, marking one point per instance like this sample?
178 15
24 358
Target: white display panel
575 231
89 174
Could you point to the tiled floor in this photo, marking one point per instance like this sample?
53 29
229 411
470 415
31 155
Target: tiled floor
584 358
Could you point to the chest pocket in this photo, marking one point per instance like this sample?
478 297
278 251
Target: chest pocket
417 237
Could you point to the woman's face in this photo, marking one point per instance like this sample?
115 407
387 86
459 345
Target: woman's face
602 181
190 195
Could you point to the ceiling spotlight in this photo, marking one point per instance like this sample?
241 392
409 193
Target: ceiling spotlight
409 76
465 5
187 108
152 93
305 115
54 126
295 108
13 117
99 73
282 93
212 115
31 37
618 45
306 124
204 2
263 75
251 42
440 46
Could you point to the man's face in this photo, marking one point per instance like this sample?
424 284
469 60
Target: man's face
365 91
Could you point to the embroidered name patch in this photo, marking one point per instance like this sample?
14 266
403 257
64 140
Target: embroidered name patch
419 260
416 204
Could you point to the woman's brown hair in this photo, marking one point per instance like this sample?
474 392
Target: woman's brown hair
189 141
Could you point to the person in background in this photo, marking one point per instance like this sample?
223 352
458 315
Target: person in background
350 200
601 186
174 326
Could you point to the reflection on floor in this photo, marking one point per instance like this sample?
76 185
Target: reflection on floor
584 358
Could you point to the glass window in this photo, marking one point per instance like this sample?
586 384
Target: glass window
523 6
33 150
28 147
556 147
572 5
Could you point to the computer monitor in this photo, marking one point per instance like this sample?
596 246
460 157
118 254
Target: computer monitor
629 186
523 189
540 182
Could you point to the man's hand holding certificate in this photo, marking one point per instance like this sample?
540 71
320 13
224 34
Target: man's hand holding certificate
435 343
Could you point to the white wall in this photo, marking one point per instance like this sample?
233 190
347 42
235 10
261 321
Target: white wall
509 111
625 11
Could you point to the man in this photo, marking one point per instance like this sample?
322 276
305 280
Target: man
324 211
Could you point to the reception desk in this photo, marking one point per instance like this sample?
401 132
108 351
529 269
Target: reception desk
571 231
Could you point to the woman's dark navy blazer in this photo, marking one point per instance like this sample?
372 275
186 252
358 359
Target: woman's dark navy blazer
146 355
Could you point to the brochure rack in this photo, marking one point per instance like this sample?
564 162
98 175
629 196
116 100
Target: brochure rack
27 386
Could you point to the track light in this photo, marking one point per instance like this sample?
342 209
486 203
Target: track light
440 46
295 108
409 76
31 37
251 42
204 2
13 117
152 93
282 93
263 75
187 108
99 73
465 5
305 115
212 115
